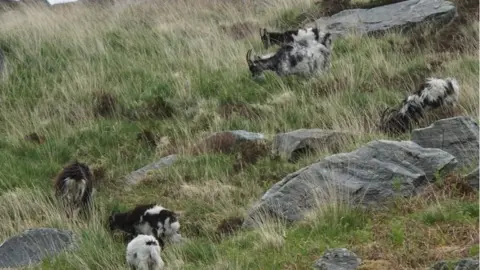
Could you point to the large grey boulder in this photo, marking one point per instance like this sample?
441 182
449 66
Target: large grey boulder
138 175
227 141
462 264
294 144
367 176
457 136
399 16
338 259
32 246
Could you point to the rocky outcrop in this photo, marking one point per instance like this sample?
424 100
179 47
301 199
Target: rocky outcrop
472 179
31 246
399 16
338 259
136 176
367 176
292 145
457 136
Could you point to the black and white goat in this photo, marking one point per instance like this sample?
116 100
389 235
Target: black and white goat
143 253
74 186
149 219
432 94
289 36
305 57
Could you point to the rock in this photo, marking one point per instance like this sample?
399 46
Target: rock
32 246
462 264
367 176
225 141
398 16
296 143
473 179
338 259
457 136
136 176
57 2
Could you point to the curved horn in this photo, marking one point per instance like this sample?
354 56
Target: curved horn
249 59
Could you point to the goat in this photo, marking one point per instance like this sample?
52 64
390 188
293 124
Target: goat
143 253
304 57
430 95
148 219
74 185
289 36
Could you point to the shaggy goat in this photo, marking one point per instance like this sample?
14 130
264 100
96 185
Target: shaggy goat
143 253
430 95
74 185
148 219
304 57
269 38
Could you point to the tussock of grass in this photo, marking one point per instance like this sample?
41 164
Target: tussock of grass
119 86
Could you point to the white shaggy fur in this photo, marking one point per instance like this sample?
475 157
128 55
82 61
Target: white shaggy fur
432 94
269 38
143 253
305 57
75 191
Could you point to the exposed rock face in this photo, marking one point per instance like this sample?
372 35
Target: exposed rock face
399 16
31 246
338 259
463 264
298 142
457 136
136 176
367 176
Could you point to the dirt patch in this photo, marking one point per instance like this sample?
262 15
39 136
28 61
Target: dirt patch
147 137
249 152
227 110
229 226
105 104
35 138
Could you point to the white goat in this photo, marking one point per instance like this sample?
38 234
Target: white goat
289 36
432 94
149 219
305 57
143 253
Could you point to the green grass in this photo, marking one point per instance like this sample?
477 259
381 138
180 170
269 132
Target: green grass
171 70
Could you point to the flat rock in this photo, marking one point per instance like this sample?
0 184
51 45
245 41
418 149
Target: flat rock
296 143
138 175
462 264
226 141
399 16
367 176
457 136
32 246
338 259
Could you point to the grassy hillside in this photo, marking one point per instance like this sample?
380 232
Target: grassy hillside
89 78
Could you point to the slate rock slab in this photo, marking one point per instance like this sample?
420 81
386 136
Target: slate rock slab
367 176
296 143
457 136
338 259
462 264
399 16
33 245
138 175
